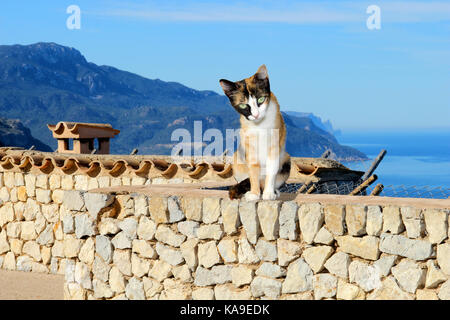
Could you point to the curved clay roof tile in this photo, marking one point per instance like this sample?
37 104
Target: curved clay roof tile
226 171
69 164
170 171
199 171
46 165
25 163
118 168
7 162
306 169
144 167
90 169
160 164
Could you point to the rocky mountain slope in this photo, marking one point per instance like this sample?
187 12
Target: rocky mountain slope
14 133
45 83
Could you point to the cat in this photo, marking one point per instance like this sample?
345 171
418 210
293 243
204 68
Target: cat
261 160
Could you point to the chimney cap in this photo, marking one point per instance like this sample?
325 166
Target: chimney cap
80 130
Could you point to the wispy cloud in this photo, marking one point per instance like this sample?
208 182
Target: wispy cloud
237 13
416 11
283 12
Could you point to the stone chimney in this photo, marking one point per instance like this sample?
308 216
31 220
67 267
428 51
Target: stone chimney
83 136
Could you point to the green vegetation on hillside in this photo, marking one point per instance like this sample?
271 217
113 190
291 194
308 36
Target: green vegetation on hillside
45 83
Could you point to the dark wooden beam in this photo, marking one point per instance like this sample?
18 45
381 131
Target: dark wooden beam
374 165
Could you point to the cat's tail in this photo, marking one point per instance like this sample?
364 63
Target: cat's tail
238 190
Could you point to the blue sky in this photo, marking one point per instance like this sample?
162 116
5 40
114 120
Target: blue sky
320 55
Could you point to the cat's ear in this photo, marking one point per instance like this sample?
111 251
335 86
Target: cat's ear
262 74
227 86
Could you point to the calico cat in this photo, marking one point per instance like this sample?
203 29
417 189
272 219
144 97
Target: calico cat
261 160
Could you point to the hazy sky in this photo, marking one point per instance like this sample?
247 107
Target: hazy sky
321 56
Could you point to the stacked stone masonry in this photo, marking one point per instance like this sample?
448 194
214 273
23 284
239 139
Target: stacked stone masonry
137 246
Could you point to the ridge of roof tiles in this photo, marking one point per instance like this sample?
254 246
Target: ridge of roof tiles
150 166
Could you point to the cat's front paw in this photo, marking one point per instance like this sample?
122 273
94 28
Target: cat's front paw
249 196
269 195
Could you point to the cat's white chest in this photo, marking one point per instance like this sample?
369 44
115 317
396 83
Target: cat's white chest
264 137
260 145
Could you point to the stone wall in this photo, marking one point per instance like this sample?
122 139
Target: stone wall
154 246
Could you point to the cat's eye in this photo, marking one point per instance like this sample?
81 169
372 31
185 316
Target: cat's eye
242 106
261 100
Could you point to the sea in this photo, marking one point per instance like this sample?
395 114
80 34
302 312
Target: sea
417 163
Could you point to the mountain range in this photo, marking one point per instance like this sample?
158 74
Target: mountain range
45 83
14 133
324 125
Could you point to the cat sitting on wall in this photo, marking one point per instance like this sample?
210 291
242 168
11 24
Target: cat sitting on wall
261 160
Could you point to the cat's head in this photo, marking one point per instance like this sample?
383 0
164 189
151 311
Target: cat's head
250 97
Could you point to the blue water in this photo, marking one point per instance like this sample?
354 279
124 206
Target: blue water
420 158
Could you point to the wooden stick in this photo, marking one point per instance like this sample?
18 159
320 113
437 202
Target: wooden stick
377 190
303 187
374 165
364 185
312 189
